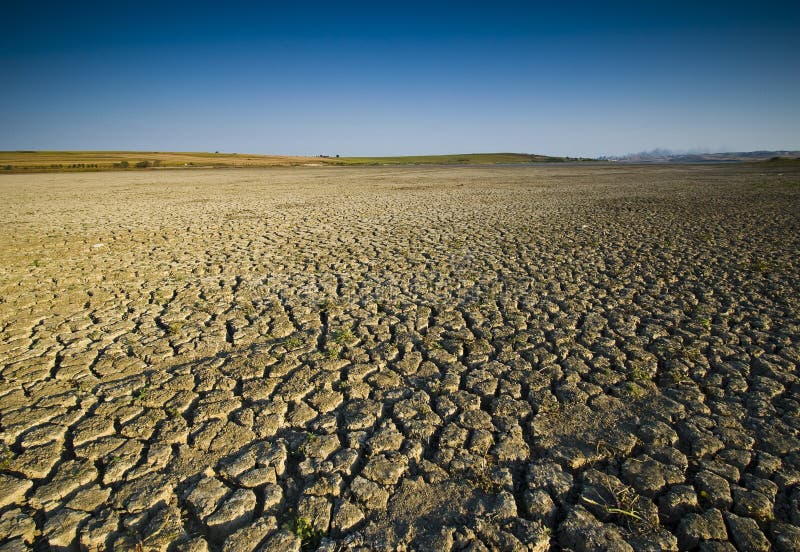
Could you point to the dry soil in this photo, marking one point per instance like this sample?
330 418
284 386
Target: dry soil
557 357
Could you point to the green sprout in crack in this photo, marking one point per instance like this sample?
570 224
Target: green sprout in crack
342 386
309 536
293 343
303 447
141 394
624 502
613 510
634 390
334 352
174 328
637 373
6 457
343 336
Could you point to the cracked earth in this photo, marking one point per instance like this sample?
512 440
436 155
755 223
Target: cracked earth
558 357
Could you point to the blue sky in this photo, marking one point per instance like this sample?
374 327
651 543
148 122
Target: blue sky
380 78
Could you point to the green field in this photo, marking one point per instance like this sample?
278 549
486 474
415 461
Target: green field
76 161
68 161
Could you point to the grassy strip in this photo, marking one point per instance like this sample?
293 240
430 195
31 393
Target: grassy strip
77 161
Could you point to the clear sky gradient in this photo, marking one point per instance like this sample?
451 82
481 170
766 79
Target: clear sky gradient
391 78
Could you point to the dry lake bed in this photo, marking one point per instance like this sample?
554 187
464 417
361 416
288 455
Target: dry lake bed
428 358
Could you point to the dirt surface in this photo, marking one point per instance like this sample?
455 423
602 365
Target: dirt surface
582 358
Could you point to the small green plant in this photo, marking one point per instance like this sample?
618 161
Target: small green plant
343 336
761 267
621 501
635 391
6 457
174 328
95 335
614 510
706 323
481 477
305 531
432 342
293 343
302 449
141 394
334 352
172 412
637 373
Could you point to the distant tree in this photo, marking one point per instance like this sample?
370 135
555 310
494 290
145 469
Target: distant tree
337 156
142 164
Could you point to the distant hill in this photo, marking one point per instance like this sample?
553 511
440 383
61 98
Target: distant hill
458 159
666 156
76 161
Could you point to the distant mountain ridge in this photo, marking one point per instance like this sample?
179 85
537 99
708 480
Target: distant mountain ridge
667 156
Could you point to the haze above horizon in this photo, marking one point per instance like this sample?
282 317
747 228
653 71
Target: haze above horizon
374 79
